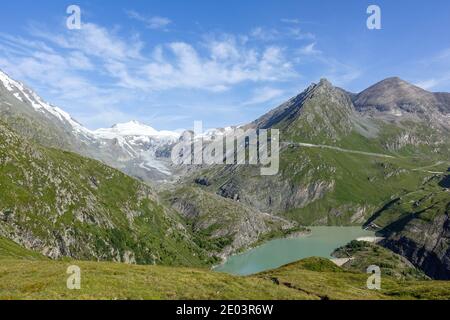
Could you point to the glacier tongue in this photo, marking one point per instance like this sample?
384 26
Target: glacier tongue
146 147
135 129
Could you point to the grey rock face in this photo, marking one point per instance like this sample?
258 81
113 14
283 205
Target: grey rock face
427 246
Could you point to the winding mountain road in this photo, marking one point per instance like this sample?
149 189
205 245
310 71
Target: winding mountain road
323 146
370 154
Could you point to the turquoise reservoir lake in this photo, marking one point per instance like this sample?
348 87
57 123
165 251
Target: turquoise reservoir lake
320 243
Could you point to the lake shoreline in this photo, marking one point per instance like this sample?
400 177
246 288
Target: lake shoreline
293 235
319 241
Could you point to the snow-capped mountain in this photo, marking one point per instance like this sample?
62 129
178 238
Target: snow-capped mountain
144 148
133 147
136 129
28 97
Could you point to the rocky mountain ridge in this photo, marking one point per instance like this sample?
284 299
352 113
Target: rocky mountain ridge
144 152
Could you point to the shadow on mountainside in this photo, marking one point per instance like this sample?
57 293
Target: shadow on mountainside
445 182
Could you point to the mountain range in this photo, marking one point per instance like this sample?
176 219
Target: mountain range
346 159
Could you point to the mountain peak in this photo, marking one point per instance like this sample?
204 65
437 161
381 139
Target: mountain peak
132 123
133 128
393 79
325 82
395 82
395 96
320 101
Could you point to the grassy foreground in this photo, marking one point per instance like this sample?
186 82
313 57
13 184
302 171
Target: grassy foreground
26 275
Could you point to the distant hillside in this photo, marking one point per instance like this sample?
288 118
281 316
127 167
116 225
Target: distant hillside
338 164
64 205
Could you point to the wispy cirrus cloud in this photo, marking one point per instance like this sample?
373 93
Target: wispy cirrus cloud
298 34
96 67
309 49
265 34
153 22
96 71
428 84
290 20
338 72
93 40
439 66
226 63
291 32
264 94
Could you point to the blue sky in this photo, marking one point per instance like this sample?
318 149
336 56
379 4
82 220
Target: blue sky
169 63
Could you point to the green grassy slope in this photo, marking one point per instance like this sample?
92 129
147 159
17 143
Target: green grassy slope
364 254
62 204
11 250
416 225
321 186
423 204
359 183
313 278
321 277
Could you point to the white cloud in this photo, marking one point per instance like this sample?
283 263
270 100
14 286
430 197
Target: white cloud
309 49
96 70
94 40
226 63
298 34
79 60
154 22
223 50
428 84
264 34
434 83
288 32
290 21
264 94
61 75
432 72
338 72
